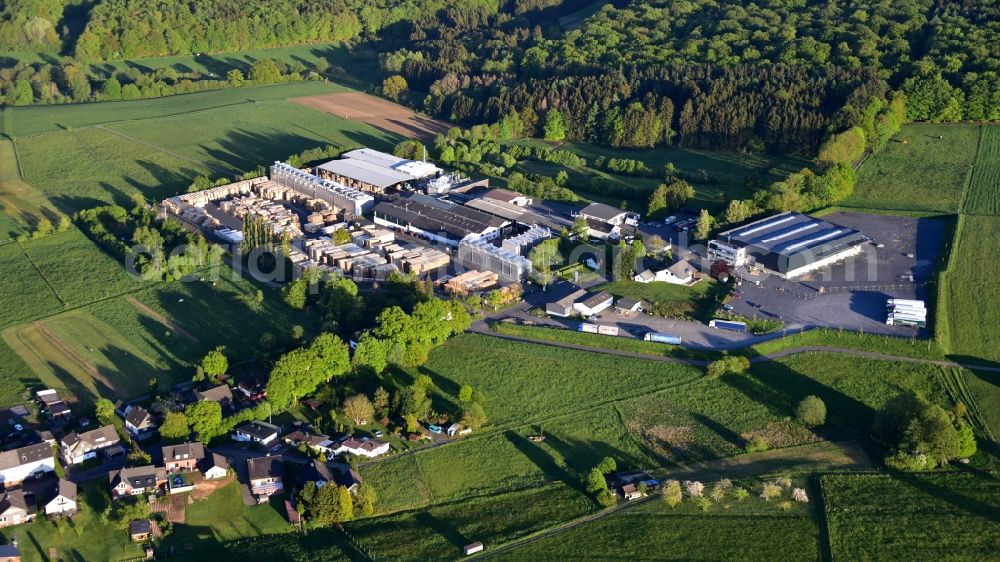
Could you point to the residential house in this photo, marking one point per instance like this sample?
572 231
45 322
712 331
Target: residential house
9 553
363 447
594 304
564 306
79 447
183 457
252 389
631 492
221 394
256 432
265 475
317 442
27 462
64 501
140 529
15 509
322 474
52 404
135 481
680 273
213 466
139 422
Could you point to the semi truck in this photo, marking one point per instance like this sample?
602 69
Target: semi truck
662 338
728 325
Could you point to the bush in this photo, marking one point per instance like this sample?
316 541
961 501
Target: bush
734 364
811 411
756 445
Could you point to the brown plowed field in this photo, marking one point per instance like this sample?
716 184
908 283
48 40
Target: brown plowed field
378 112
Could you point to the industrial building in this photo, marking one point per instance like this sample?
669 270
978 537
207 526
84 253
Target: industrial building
564 306
524 242
483 254
788 245
606 221
353 201
376 172
595 303
438 220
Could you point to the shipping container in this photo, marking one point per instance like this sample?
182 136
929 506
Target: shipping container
895 302
589 328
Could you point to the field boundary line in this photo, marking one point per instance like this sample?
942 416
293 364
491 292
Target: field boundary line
963 204
126 136
44 278
17 160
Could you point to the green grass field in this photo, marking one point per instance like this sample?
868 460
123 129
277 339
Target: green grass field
32 120
222 517
984 185
925 174
159 148
510 374
21 205
912 516
968 301
78 270
439 533
715 418
699 301
24 293
750 529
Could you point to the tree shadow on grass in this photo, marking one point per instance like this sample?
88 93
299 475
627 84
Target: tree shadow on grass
544 461
443 528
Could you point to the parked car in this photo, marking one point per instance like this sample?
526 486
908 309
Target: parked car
755 305
670 220
434 428
379 433
737 294
727 308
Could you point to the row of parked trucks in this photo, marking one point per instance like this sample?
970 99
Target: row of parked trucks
906 312
615 330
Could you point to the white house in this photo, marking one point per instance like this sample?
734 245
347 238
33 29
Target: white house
680 273
364 447
27 462
213 466
79 447
256 432
138 421
593 304
64 502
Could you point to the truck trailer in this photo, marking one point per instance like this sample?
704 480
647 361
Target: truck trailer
662 338
728 325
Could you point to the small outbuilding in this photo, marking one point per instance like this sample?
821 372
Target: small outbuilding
472 548
140 529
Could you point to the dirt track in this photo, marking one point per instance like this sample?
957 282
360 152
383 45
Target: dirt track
168 323
378 112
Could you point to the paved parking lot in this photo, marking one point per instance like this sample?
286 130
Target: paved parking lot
852 294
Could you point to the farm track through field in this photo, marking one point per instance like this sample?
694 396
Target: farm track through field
67 351
168 152
166 322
